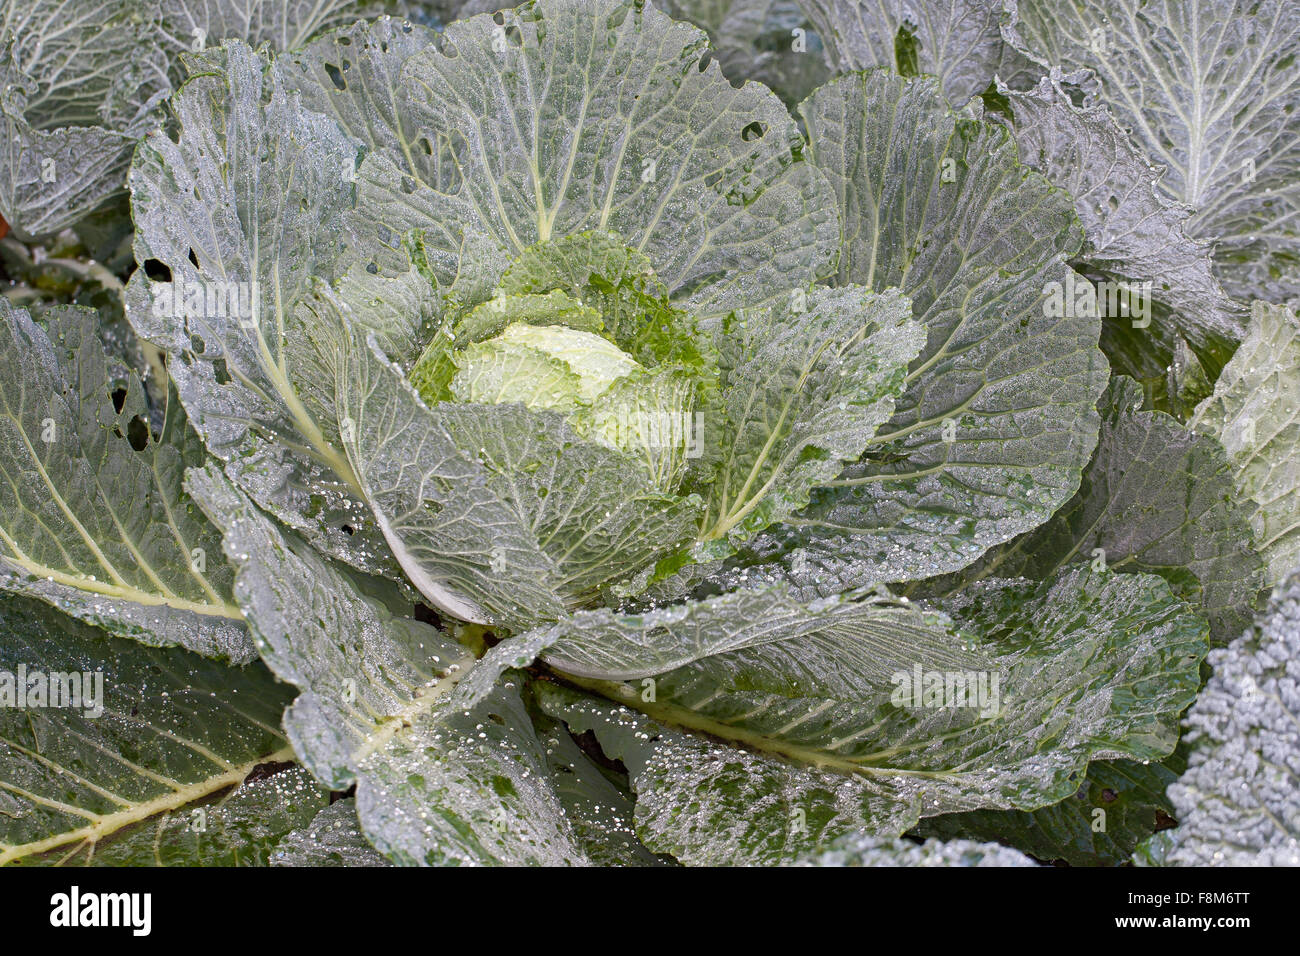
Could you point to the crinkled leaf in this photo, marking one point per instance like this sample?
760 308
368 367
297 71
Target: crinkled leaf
284 24
78 82
175 728
537 130
1134 232
1255 414
243 211
1120 804
52 178
394 706
1209 90
864 634
1238 804
997 419
1156 498
354 74
769 41
85 80
958 41
1089 666
90 524
93 62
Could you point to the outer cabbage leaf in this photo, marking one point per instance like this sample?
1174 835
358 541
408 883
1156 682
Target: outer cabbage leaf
1134 232
1156 498
997 418
1119 805
77 84
394 706
284 24
92 63
869 634
769 41
1090 666
1255 414
958 41
243 210
81 82
354 74
93 519
175 729
1209 90
242 827
1238 804
532 129
52 178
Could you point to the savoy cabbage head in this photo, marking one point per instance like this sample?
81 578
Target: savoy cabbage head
568 453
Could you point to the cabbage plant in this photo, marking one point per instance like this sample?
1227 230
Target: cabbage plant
567 453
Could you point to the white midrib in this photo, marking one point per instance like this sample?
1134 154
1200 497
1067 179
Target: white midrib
107 824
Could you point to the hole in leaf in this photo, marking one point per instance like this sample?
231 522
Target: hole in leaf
335 76
137 433
157 270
